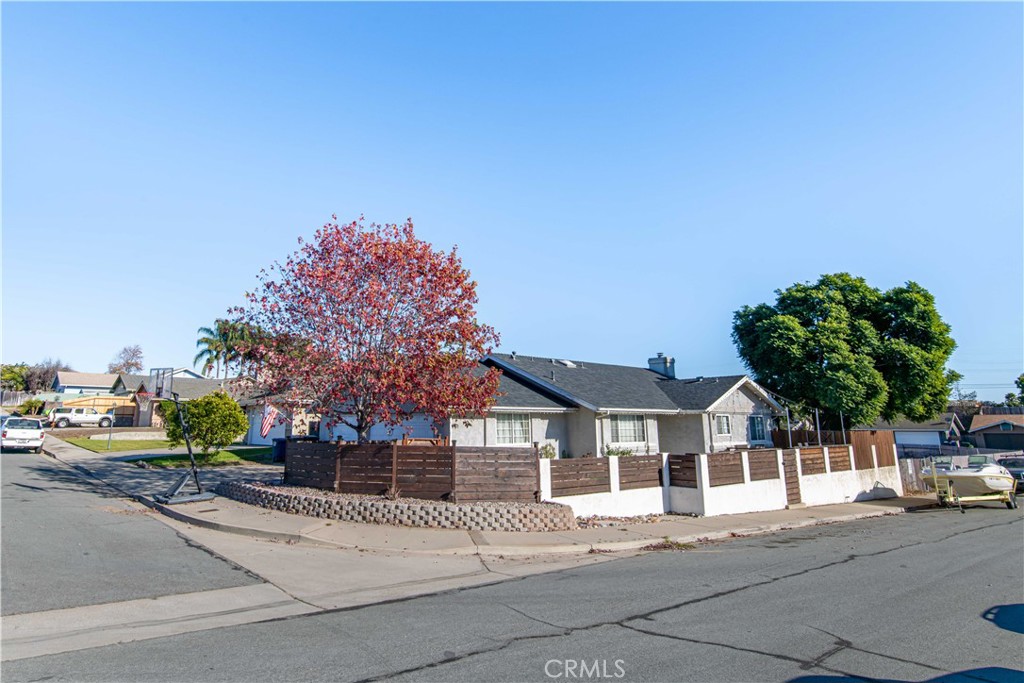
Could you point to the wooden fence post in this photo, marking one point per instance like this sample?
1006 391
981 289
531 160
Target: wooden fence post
394 467
337 469
454 497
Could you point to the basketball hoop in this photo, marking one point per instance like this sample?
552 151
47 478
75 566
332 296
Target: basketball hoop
144 398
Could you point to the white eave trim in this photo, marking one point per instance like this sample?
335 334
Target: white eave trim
757 389
512 409
638 411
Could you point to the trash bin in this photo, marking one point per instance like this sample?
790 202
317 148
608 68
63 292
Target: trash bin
278 450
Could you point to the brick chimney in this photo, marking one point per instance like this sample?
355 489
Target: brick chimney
663 365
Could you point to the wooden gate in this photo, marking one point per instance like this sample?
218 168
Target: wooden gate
792 479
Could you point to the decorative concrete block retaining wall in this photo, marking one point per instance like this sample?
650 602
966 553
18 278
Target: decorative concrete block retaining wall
406 512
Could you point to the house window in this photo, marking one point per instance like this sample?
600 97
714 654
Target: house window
757 428
513 428
722 425
628 429
1006 427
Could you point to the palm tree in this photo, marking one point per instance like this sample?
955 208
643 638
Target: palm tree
213 345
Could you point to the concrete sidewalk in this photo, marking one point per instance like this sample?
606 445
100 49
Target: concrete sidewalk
226 515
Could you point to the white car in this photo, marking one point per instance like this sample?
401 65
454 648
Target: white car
79 417
22 432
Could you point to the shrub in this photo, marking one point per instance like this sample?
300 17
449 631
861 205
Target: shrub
32 406
214 421
548 451
612 450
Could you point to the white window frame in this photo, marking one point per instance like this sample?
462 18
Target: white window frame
758 419
718 425
508 436
633 421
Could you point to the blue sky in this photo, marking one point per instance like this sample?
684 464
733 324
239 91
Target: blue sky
619 178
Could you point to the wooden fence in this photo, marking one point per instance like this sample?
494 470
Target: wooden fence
812 461
415 470
579 476
511 474
682 470
764 464
861 439
639 472
725 468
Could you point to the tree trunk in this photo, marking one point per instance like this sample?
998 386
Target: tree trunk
362 430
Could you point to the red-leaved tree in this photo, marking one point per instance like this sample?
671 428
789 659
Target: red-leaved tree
368 325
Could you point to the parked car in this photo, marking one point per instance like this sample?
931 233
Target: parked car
79 417
1015 466
22 432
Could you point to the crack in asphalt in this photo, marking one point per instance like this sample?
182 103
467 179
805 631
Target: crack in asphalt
851 646
650 614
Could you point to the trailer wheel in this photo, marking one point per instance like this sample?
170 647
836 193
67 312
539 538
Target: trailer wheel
1011 503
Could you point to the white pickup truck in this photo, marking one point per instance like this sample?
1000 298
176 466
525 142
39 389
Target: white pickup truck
22 432
79 417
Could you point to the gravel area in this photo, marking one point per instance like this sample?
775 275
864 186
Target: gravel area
597 522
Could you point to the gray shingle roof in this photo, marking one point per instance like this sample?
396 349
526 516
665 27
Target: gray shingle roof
131 383
620 387
596 385
188 388
698 394
85 379
513 393
940 424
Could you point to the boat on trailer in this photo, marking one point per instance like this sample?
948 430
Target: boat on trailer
983 480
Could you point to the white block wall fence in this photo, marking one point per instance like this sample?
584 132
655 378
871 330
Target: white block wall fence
747 494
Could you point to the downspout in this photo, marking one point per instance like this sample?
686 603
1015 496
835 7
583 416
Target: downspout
711 434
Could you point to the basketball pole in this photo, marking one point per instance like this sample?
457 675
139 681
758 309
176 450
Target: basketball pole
174 494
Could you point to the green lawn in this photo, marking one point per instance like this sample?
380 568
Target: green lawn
100 445
237 456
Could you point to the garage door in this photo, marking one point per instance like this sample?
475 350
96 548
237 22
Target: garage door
1008 442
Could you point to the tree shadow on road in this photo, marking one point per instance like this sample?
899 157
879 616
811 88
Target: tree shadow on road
990 674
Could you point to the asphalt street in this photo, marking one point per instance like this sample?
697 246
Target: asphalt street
933 595
68 541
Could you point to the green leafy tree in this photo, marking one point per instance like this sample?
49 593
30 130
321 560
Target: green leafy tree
843 346
215 421
1017 399
12 376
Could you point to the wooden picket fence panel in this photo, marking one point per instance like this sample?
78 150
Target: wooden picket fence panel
682 470
639 472
311 464
812 461
511 474
725 468
579 476
839 458
764 464
791 478
424 471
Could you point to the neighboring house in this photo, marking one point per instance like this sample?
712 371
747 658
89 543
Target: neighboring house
286 424
1005 432
83 382
187 373
127 384
944 428
582 408
187 389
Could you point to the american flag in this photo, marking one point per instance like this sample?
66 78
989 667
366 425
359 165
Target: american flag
269 417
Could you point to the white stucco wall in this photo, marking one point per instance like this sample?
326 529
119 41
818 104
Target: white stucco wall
653 500
682 434
740 405
852 486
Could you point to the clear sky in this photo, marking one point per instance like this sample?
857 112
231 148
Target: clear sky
619 178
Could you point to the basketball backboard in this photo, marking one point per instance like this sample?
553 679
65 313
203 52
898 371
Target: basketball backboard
161 382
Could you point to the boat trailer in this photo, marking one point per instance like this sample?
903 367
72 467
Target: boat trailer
945 492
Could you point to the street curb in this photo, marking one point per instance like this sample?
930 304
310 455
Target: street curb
530 550
491 550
